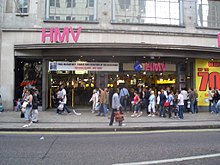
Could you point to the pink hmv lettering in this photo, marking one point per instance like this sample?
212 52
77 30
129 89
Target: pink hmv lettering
155 67
55 35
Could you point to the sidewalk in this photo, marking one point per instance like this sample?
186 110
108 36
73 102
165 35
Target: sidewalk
50 121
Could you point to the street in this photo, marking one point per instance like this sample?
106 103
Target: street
105 148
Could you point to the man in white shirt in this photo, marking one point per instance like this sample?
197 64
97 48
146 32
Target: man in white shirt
180 104
185 98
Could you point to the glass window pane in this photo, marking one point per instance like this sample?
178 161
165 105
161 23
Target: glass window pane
22 6
147 11
74 10
208 13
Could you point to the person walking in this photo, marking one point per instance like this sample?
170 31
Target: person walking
124 97
185 97
116 106
180 104
35 106
27 114
64 99
151 106
137 109
103 102
163 99
94 99
211 93
196 97
171 101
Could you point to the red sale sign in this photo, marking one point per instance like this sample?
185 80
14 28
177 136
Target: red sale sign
207 76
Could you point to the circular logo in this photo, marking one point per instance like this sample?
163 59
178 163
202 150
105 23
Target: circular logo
138 66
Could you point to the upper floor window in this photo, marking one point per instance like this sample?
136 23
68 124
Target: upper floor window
208 13
71 10
22 6
70 3
168 12
55 3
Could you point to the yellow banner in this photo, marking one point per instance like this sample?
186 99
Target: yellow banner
207 76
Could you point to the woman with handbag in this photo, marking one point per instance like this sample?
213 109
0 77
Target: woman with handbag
27 114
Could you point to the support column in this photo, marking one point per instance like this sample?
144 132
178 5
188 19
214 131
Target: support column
45 85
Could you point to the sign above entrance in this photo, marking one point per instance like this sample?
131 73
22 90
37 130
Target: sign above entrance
55 34
88 66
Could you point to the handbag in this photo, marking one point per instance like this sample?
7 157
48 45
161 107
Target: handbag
119 116
167 104
60 107
97 106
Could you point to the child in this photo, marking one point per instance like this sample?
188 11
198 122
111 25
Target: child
18 105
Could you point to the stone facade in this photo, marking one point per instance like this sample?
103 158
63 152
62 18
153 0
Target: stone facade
18 29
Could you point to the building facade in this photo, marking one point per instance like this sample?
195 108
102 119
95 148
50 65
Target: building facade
98 43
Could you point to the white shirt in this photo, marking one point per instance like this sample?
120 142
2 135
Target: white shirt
64 96
185 94
180 99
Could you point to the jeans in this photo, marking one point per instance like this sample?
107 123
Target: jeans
196 106
210 105
103 108
216 107
66 108
27 114
137 107
171 107
124 103
162 111
181 108
192 103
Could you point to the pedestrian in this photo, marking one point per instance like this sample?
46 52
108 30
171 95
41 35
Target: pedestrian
196 97
180 105
151 106
171 107
158 102
18 105
175 105
163 99
124 97
216 98
137 108
35 106
103 103
116 106
185 97
94 99
27 114
210 94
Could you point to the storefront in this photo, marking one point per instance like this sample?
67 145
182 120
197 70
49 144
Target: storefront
82 70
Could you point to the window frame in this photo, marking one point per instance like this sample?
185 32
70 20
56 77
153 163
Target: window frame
181 22
20 10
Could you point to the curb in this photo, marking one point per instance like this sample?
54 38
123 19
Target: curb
110 129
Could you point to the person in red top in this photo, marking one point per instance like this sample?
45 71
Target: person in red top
137 107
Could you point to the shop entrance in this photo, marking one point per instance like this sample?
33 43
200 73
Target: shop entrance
78 85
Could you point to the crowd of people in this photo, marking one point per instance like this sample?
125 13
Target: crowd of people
165 102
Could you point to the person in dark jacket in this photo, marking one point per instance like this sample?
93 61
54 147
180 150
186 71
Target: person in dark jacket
163 99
